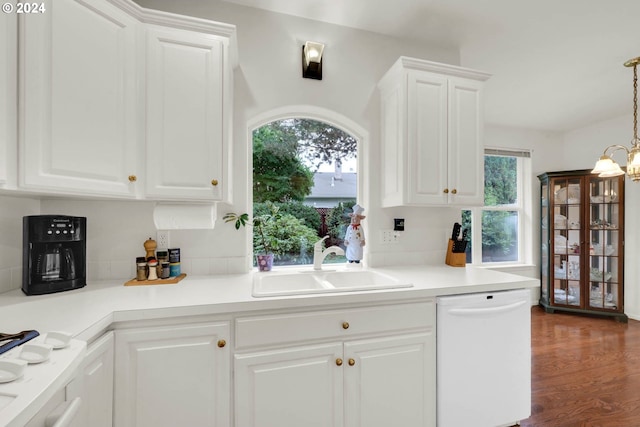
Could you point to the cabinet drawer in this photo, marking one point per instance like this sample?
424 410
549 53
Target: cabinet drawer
277 329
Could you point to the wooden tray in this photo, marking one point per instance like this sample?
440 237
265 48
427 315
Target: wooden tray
169 281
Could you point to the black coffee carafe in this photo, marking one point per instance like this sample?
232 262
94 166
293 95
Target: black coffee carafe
56 263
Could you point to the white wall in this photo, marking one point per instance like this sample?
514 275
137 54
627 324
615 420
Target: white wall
12 209
581 148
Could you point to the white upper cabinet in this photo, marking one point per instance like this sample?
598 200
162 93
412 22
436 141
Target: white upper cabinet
121 101
78 99
8 99
432 125
188 114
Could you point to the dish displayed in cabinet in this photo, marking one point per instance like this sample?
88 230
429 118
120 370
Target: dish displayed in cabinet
603 198
573 196
598 276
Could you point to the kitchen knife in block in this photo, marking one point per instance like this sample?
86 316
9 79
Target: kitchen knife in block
455 259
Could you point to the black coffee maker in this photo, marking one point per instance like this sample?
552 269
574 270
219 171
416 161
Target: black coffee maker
53 253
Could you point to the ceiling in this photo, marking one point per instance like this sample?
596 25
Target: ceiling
557 64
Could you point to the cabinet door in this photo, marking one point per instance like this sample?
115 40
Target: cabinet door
186 135
605 221
391 381
8 98
298 386
96 385
78 96
465 149
427 139
172 376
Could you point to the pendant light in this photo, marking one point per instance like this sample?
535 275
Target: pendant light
606 166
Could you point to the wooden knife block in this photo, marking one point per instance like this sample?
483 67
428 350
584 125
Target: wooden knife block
455 259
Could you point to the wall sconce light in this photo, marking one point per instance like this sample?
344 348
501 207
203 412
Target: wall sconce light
312 60
606 166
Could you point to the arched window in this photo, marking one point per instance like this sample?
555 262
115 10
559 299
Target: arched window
305 181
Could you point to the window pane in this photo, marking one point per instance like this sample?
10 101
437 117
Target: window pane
500 180
307 170
467 224
499 236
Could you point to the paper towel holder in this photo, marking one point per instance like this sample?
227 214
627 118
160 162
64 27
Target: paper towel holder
188 216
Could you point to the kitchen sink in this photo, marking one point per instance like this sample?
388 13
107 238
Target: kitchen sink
312 282
364 279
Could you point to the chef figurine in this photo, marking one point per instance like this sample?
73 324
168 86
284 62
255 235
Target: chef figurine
354 237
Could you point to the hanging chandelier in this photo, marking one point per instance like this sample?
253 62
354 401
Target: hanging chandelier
606 166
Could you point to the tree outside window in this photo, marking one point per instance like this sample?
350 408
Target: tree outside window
498 226
286 156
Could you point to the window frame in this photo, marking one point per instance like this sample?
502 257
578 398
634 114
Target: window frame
329 117
523 206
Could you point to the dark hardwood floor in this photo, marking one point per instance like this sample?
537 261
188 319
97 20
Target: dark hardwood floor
585 371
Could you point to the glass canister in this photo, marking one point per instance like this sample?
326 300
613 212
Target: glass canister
162 255
153 271
141 268
166 271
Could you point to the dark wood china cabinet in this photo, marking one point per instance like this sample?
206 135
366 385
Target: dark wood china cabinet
582 243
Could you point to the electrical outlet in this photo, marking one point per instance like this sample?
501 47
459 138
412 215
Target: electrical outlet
162 239
390 236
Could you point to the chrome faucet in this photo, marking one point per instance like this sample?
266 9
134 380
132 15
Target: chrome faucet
319 255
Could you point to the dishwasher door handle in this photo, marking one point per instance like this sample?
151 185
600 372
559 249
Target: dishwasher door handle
66 418
488 310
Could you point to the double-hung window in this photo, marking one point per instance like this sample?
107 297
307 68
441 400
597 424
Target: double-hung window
501 229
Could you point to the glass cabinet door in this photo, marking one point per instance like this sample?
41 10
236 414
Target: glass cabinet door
566 240
605 266
544 240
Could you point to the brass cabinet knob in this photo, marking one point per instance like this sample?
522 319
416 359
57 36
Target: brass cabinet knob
345 325
339 362
222 343
214 182
454 191
446 190
352 362
133 178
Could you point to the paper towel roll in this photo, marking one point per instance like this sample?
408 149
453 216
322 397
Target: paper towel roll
184 217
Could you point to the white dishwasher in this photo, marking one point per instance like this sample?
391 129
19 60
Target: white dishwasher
484 359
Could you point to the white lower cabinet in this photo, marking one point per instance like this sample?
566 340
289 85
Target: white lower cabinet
381 372
169 376
293 387
96 385
388 381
